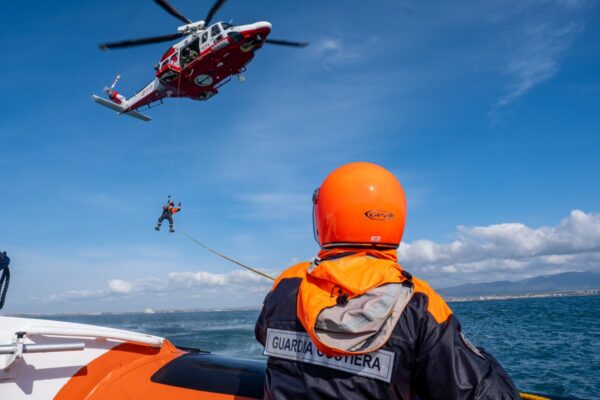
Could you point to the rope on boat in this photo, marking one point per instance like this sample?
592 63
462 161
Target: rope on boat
199 243
529 396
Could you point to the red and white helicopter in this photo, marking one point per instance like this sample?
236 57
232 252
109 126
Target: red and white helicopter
197 66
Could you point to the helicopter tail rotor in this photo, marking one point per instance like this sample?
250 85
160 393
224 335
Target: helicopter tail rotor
113 94
115 81
109 90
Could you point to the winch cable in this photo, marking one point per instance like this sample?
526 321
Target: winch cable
173 140
174 134
199 243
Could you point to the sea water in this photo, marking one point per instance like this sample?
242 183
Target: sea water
548 345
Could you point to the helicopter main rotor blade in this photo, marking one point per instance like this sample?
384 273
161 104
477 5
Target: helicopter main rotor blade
289 43
213 10
171 10
140 42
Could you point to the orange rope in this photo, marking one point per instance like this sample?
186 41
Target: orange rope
529 396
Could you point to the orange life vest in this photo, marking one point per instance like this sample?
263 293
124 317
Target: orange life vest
324 283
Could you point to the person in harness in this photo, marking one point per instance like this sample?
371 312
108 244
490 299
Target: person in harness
353 323
168 210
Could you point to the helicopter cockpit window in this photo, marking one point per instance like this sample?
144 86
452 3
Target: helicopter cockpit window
174 59
226 25
204 37
215 32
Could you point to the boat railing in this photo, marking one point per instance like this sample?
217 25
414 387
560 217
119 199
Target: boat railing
109 334
18 347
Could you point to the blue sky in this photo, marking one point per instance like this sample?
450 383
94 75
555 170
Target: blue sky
486 111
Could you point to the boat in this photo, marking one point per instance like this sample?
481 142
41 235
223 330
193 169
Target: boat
46 359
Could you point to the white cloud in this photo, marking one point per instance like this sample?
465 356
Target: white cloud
237 277
77 295
114 288
175 283
538 57
524 44
190 279
119 286
540 33
328 44
338 51
508 250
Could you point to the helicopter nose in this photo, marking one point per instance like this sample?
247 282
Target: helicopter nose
263 25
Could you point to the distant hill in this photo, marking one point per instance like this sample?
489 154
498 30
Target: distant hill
564 282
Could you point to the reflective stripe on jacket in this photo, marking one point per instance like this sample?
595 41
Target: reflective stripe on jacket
424 354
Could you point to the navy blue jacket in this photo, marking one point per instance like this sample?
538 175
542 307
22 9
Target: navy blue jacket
422 358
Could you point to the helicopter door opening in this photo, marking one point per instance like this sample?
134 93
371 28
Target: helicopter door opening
190 53
169 68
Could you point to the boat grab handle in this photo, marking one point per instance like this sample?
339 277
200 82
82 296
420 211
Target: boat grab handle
42 348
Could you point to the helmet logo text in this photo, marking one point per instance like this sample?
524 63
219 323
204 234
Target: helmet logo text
379 215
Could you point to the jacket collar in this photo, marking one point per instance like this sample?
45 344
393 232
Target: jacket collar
339 252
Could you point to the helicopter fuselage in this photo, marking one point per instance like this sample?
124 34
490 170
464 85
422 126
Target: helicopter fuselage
197 66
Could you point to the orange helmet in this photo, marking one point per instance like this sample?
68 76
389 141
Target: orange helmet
359 204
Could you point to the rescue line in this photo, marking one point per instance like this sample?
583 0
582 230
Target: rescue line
199 243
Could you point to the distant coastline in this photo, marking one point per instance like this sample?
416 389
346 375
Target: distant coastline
449 299
137 312
571 293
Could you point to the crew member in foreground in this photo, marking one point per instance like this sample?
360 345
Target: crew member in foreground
353 324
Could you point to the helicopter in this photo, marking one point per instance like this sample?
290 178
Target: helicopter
195 67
